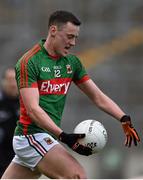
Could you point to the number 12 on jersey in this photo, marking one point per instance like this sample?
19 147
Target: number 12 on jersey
57 73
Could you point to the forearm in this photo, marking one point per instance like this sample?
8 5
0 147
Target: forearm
101 100
42 119
109 106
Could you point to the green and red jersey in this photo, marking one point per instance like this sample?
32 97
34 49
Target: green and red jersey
52 77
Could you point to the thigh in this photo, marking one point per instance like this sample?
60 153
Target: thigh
58 163
16 171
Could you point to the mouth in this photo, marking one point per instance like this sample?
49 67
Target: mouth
67 48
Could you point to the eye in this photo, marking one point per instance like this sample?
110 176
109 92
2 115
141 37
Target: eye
70 36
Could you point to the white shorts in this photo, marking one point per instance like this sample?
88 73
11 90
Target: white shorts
30 149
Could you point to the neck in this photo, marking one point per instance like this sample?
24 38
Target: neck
48 45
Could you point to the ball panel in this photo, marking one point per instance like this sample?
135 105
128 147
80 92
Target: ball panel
96 134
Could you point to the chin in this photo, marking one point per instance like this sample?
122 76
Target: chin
65 54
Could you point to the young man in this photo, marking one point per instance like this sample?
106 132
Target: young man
44 75
9 113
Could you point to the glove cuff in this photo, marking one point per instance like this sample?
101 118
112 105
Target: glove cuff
125 118
62 137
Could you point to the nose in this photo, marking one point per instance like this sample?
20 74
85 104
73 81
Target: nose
73 42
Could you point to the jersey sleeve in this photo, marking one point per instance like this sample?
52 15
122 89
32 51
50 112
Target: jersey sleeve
26 73
80 74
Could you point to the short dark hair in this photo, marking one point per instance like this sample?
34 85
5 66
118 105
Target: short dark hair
62 17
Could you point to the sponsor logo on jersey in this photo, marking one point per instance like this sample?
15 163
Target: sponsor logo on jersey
57 67
69 69
54 86
45 69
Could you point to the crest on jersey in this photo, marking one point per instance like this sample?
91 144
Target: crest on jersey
69 69
48 140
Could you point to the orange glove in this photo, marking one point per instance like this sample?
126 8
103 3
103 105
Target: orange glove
130 132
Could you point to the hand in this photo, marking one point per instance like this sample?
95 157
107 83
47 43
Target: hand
130 132
72 141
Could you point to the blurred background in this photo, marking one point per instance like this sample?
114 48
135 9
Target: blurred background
111 48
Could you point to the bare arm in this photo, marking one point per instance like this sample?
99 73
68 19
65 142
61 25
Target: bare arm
109 106
30 97
101 100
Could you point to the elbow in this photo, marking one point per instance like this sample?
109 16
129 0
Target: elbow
99 102
31 111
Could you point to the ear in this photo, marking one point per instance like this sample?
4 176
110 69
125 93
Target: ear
53 30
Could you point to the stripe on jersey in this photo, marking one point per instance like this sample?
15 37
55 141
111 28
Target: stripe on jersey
83 79
24 119
24 69
36 145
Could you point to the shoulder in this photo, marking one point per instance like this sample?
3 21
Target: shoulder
30 54
29 57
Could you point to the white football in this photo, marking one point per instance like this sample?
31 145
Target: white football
96 134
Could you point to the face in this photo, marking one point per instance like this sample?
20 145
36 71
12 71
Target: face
64 38
9 83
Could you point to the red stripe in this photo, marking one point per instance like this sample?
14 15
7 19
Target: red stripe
24 61
25 129
34 85
21 74
83 79
34 50
37 146
24 119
